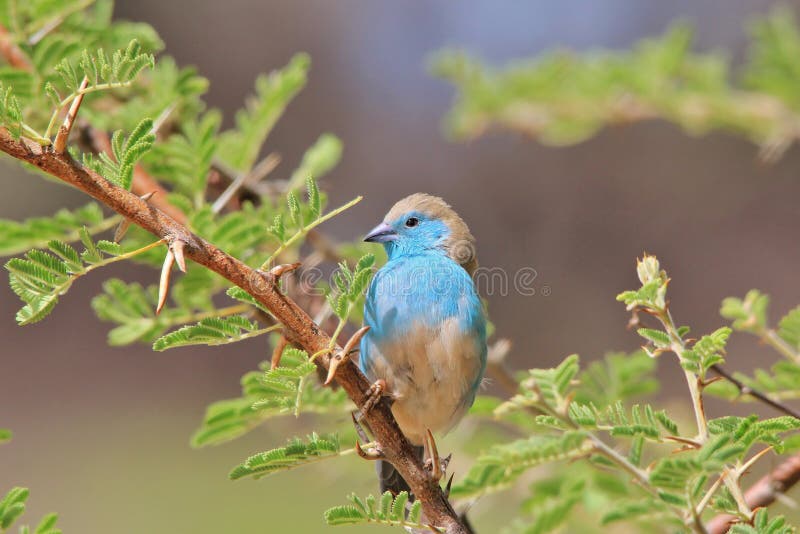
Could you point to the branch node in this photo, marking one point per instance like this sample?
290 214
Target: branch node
336 360
279 270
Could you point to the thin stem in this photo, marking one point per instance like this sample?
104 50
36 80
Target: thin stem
771 337
69 98
102 226
769 400
34 135
221 312
731 480
248 335
701 506
305 229
678 346
640 475
108 261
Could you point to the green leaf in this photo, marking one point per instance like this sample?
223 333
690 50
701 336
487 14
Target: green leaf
295 454
706 352
350 286
789 328
618 376
318 160
5 435
184 159
545 387
240 147
42 277
12 505
504 463
269 393
762 524
657 337
127 152
10 111
392 512
748 314
211 331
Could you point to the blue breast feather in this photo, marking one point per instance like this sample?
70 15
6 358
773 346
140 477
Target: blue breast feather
424 289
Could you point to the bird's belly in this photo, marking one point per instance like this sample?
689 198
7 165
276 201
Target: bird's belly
431 375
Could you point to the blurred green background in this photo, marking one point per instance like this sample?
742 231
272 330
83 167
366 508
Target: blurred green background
102 434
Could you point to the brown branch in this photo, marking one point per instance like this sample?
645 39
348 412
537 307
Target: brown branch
744 389
763 493
771 486
299 327
13 53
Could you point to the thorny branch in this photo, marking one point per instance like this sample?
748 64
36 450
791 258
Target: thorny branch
298 326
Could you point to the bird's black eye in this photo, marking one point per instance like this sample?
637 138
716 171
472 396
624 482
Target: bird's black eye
411 222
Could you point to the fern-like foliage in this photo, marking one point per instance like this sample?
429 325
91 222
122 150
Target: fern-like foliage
295 454
103 71
643 420
12 506
211 331
617 377
126 151
748 314
269 393
43 276
185 158
64 225
10 111
780 382
563 97
389 510
317 161
240 147
503 464
349 286
763 524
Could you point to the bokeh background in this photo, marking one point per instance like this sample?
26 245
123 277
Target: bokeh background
101 434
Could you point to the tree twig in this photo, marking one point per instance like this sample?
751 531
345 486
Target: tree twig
764 492
747 390
298 326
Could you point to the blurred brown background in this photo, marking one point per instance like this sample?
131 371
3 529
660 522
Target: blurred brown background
101 434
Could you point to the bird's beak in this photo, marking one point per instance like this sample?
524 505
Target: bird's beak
383 233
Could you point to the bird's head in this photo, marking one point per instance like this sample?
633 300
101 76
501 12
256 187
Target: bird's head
422 222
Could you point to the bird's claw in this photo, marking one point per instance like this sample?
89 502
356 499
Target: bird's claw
435 465
374 395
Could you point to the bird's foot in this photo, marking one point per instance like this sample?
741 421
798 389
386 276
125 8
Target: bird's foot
374 395
433 463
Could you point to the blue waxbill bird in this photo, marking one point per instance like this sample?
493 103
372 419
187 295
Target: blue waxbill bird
427 336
